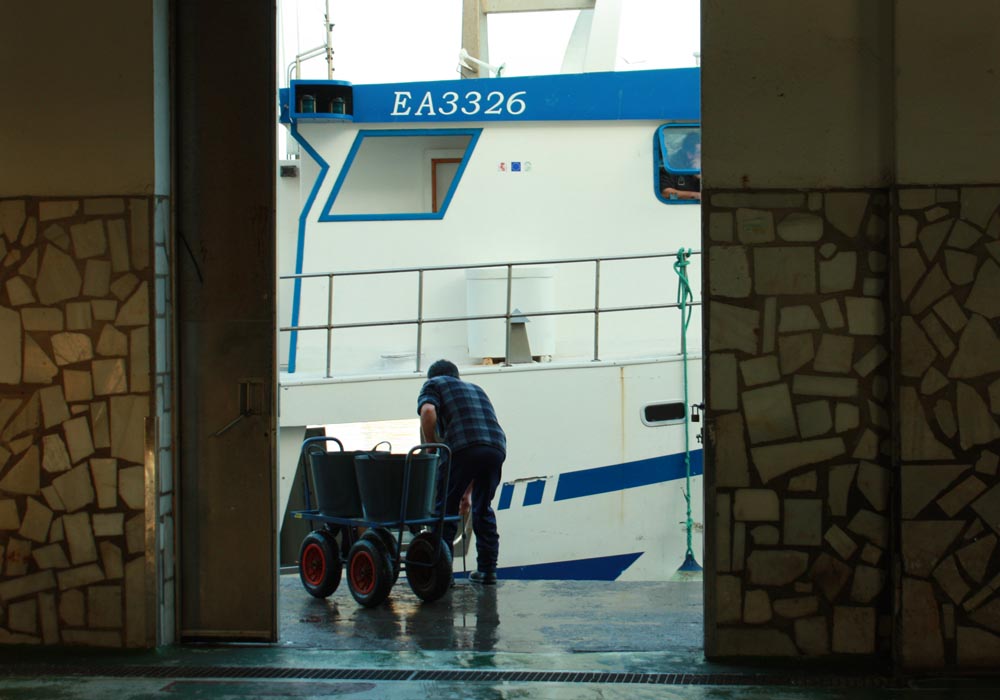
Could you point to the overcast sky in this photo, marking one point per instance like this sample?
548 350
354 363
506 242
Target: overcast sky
379 41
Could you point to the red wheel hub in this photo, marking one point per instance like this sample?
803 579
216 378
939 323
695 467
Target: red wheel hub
363 573
313 564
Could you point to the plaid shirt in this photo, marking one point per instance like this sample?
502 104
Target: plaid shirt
465 416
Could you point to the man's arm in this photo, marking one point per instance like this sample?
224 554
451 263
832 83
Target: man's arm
428 422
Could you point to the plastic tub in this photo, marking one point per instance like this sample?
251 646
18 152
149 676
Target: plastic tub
380 481
336 485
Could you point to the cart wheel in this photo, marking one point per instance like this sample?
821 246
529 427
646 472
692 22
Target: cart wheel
429 578
319 564
369 574
388 541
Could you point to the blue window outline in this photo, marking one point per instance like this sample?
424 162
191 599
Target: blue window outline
362 134
660 160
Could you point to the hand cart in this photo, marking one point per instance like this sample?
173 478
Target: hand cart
374 560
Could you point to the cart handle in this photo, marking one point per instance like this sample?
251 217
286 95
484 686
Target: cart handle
383 442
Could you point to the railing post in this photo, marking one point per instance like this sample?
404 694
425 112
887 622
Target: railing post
506 350
329 331
420 315
597 307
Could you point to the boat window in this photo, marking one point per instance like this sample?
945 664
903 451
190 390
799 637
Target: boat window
664 413
677 163
400 175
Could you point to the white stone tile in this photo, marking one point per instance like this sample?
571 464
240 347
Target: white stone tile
12 589
79 577
118 242
814 418
770 325
10 348
756 505
70 348
800 228
78 316
776 567
50 557
870 361
78 438
817 385
841 542
42 319
803 522
865 316
54 408
10 258
12 217
49 618
835 354
77 385
104 309
80 539
139 360
21 444
109 524
51 497
976 424
768 413
97 278
124 286
135 534
57 235
112 343
109 377
844 210
720 226
88 239
757 607
24 477
28 418
730 271
57 209
773 461
983 299
18 292
58 278
56 532
913 198
111 560
71 608
100 424
37 518
128 434
105 475
132 487
759 200
29 233
23 616
135 311
759 370
38 366
754 226
795 351
135 604
78 409
797 317
16 558
75 488
784 270
55 458
733 327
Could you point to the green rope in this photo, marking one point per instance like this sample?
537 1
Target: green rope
684 299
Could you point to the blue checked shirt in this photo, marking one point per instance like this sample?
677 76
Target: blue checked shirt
465 415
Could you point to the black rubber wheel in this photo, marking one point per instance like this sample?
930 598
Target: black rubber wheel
429 576
319 564
388 541
369 574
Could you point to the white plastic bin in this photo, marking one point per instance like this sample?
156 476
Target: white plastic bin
532 290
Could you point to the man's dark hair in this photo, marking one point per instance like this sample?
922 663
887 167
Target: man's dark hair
442 368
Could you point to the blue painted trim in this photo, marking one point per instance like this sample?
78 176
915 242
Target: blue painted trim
533 492
327 215
506 496
665 95
597 569
300 246
659 159
617 477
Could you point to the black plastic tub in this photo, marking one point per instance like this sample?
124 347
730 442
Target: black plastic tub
380 481
333 474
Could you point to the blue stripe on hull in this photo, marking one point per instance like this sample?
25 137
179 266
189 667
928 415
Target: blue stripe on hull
590 482
597 569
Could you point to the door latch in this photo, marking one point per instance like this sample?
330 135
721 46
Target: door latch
251 403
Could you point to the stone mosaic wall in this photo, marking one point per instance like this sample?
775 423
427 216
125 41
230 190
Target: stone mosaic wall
798 424
76 387
949 396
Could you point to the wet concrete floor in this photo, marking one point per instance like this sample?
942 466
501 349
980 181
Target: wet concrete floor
519 639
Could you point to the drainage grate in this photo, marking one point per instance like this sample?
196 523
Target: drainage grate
374 674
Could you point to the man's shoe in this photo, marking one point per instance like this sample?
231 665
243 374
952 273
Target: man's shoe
487 578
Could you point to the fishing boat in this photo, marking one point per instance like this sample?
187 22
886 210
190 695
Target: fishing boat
517 226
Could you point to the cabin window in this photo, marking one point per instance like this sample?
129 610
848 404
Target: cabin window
663 413
677 163
400 175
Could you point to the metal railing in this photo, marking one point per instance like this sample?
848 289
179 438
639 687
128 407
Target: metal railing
420 320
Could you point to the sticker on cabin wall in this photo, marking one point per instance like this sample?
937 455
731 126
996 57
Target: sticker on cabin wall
515 166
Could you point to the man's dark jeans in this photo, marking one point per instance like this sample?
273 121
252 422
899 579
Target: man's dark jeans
482 465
